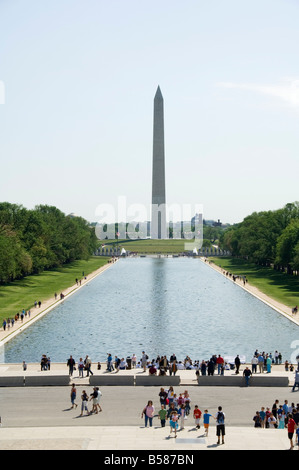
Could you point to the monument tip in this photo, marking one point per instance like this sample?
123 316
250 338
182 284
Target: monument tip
158 93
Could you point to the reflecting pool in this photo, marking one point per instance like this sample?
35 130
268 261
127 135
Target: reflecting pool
162 306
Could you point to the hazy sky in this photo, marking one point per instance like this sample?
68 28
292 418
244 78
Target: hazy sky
77 83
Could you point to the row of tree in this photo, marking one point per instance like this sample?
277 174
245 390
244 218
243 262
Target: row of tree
268 238
38 239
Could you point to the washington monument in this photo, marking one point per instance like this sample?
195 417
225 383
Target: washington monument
158 222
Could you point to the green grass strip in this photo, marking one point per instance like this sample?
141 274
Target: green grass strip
23 293
280 286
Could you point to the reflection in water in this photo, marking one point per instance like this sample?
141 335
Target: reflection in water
162 306
158 318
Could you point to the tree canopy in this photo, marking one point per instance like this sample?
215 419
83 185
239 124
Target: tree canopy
41 238
267 238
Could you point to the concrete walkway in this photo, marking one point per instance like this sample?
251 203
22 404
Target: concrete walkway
40 418
126 438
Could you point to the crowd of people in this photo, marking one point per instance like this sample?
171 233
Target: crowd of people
261 362
280 416
177 408
161 365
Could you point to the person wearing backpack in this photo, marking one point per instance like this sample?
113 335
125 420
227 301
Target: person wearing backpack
220 426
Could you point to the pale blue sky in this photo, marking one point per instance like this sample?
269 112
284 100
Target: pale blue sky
77 83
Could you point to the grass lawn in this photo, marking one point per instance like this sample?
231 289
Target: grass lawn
149 246
277 285
21 294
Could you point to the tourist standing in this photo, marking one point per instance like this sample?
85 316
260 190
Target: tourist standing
272 421
269 364
237 363
144 359
81 367
134 360
263 416
254 363
220 426
261 363
173 368
148 413
257 420
274 408
109 362
71 364
220 364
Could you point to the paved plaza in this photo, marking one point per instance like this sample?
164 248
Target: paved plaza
41 418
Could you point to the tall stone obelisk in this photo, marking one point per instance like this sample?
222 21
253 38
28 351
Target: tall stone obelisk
158 222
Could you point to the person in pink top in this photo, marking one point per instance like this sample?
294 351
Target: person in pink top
148 413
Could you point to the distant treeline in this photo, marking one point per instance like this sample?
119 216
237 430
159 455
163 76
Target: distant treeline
268 238
32 241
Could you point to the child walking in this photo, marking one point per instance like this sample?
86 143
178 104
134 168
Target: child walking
206 421
162 416
174 422
197 416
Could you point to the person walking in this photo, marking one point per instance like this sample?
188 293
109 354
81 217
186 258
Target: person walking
163 396
174 417
296 382
98 399
291 429
88 366
84 398
206 422
197 416
182 415
73 396
247 374
148 413
220 426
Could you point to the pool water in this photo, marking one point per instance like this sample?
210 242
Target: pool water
161 306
